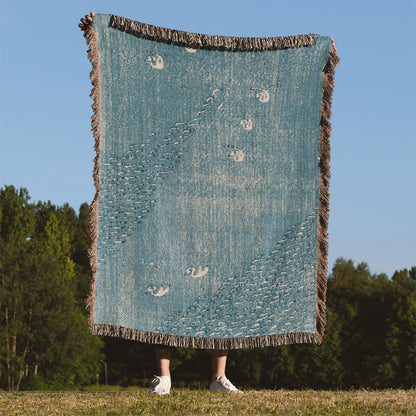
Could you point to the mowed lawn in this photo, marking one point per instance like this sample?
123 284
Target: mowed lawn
201 402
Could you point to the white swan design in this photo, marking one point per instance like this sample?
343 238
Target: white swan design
154 292
263 95
237 155
247 124
196 274
156 61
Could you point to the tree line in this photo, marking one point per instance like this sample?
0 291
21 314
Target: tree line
45 342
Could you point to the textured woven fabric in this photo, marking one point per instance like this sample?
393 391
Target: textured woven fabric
208 185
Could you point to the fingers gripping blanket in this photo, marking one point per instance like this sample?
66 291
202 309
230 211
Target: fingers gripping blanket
212 172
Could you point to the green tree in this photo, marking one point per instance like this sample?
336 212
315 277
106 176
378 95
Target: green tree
80 245
378 325
44 339
17 224
401 336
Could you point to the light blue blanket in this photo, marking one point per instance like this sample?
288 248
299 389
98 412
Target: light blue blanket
209 222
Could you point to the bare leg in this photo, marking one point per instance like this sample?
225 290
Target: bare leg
162 383
219 381
163 360
218 363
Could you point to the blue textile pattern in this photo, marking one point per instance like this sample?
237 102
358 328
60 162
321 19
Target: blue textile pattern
209 181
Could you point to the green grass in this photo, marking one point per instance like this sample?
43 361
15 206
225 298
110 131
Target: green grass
201 402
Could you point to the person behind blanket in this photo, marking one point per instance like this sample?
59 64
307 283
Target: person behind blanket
162 383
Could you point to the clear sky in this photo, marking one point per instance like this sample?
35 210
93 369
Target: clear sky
46 145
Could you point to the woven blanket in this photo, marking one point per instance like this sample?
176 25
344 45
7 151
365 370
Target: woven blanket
212 172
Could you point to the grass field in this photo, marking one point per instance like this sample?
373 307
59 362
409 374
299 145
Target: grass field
201 402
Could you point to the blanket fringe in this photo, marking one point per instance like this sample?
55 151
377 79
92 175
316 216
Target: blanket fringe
93 56
205 343
325 174
198 40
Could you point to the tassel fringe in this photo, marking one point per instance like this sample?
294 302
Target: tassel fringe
198 40
205 343
325 174
93 56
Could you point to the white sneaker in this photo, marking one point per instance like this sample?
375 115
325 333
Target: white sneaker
223 385
161 385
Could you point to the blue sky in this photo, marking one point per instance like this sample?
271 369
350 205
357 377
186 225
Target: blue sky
46 145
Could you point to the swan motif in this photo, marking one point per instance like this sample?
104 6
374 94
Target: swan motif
263 94
156 61
154 292
237 155
247 124
196 274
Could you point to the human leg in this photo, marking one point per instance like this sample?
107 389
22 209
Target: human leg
219 381
163 355
162 383
218 363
